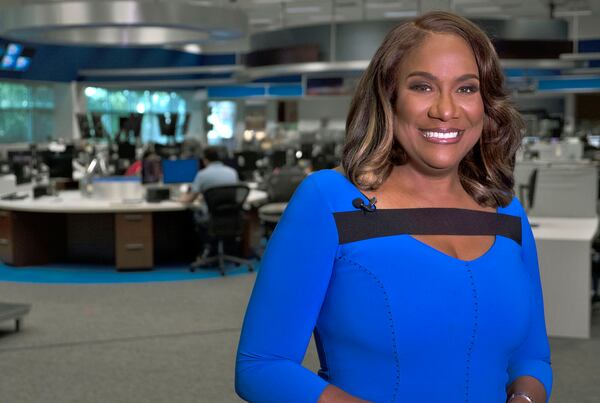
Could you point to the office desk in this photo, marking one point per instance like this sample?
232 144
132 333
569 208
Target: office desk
564 246
73 228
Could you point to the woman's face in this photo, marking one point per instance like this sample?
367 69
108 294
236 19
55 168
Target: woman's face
439 110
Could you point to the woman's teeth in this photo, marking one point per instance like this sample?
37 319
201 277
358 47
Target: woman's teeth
440 135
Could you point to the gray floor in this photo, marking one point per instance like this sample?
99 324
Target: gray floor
169 342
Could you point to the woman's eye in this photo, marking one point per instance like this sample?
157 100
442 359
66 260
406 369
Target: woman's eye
420 87
468 89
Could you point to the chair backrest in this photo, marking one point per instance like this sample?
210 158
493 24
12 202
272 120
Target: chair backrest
281 186
569 191
225 206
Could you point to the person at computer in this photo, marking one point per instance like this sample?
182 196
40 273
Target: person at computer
412 264
214 173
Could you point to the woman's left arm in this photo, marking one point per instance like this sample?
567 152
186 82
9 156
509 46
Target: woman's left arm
529 368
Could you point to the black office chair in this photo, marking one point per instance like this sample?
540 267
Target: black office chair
527 200
280 188
226 222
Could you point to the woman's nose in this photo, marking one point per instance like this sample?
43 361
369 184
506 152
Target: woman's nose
444 107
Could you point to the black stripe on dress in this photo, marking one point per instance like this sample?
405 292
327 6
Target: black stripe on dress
359 225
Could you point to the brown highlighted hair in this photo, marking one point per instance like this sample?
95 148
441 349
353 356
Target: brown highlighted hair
371 151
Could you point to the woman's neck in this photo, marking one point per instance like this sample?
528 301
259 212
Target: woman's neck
407 187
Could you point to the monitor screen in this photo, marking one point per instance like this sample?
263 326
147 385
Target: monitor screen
179 171
246 160
126 151
60 165
168 151
15 57
99 130
14 49
151 170
168 124
131 124
22 172
84 125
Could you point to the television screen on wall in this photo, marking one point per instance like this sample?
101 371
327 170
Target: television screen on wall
15 57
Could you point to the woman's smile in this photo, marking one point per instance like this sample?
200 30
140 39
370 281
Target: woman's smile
442 136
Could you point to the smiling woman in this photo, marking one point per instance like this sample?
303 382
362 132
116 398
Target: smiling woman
415 267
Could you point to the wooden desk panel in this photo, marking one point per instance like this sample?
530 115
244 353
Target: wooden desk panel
134 241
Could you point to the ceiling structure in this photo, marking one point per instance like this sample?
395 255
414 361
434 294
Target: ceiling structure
275 14
271 15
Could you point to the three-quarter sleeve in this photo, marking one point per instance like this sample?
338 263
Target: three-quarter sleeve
285 303
532 358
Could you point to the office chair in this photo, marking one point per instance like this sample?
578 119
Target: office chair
530 189
280 188
226 222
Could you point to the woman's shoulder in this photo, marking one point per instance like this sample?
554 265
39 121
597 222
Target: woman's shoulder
333 187
514 207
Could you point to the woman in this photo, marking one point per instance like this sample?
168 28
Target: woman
414 265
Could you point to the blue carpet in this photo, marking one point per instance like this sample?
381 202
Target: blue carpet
97 274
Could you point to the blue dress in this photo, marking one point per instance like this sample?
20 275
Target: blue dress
394 319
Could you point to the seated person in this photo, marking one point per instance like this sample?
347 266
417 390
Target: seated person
214 174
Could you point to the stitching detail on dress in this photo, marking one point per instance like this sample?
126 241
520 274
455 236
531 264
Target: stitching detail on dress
390 318
473 334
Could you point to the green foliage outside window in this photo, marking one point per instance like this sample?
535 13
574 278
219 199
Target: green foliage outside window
26 112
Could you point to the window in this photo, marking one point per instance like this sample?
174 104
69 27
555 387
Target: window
26 112
113 104
221 122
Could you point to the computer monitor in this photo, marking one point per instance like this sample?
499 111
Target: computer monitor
246 160
131 124
60 165
151 170
84 125
168 151
126 151
168 124
179 171
99 130
23 172
186 123
278 158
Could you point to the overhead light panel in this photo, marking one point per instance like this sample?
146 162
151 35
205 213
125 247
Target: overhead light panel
121 23
400 14
303 10
482 9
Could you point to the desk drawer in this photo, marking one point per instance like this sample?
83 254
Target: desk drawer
133 227
134 241
6 237
5 224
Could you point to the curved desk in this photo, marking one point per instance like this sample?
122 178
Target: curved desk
74 228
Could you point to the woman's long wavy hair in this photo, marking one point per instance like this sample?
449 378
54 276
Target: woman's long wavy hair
371 150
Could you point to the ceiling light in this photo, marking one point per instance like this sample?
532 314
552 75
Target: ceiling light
482 9
379 6
303 10
260 21
121 23
400 14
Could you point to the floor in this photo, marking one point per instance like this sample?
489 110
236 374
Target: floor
170 342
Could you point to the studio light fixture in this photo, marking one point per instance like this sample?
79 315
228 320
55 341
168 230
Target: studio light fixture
122 23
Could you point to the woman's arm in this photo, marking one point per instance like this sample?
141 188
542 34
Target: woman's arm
529 368
290 288
530 386
333 394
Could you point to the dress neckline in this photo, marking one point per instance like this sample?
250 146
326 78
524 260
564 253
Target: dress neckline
357 189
